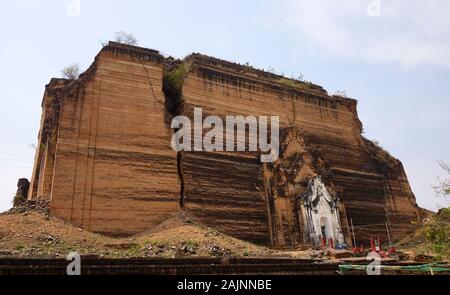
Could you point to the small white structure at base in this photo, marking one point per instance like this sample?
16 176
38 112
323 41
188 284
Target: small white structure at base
320 214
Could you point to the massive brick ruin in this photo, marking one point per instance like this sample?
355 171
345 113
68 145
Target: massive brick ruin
106 164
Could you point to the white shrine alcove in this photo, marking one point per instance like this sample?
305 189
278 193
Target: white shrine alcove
320 214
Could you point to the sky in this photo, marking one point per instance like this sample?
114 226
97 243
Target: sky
391 55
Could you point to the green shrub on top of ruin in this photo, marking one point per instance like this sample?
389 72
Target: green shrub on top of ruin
125 38
71 72
288 83
174 78
294 84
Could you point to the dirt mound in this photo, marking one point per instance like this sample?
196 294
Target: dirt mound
41 206
28 231
35 234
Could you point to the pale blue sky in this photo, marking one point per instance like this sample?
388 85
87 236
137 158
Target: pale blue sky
396 63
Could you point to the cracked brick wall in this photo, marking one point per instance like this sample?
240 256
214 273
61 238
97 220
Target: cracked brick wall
115 172
106 163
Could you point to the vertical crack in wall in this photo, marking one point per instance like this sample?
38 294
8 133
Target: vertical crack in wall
152 89
182 179
170 106
173 79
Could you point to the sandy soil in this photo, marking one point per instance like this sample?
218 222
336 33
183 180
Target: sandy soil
26 232
35 234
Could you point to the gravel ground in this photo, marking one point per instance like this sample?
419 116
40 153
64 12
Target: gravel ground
29 231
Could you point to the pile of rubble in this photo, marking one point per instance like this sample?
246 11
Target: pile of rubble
41 206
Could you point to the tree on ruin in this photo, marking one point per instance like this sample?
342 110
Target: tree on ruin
71 72
444 185
125 38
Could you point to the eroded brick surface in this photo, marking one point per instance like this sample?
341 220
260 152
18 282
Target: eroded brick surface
106 163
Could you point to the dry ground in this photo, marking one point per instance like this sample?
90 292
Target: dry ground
30 232
35 234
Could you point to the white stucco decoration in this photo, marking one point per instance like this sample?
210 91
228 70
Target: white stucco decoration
321 214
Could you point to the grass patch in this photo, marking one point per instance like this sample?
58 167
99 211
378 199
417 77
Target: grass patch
295 84
20 247
192 243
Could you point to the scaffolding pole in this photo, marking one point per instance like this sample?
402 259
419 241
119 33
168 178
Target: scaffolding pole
388 234
353 233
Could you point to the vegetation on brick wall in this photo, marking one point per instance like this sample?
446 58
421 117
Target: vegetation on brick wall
173 79
294 84
378 153
125 38
71 72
